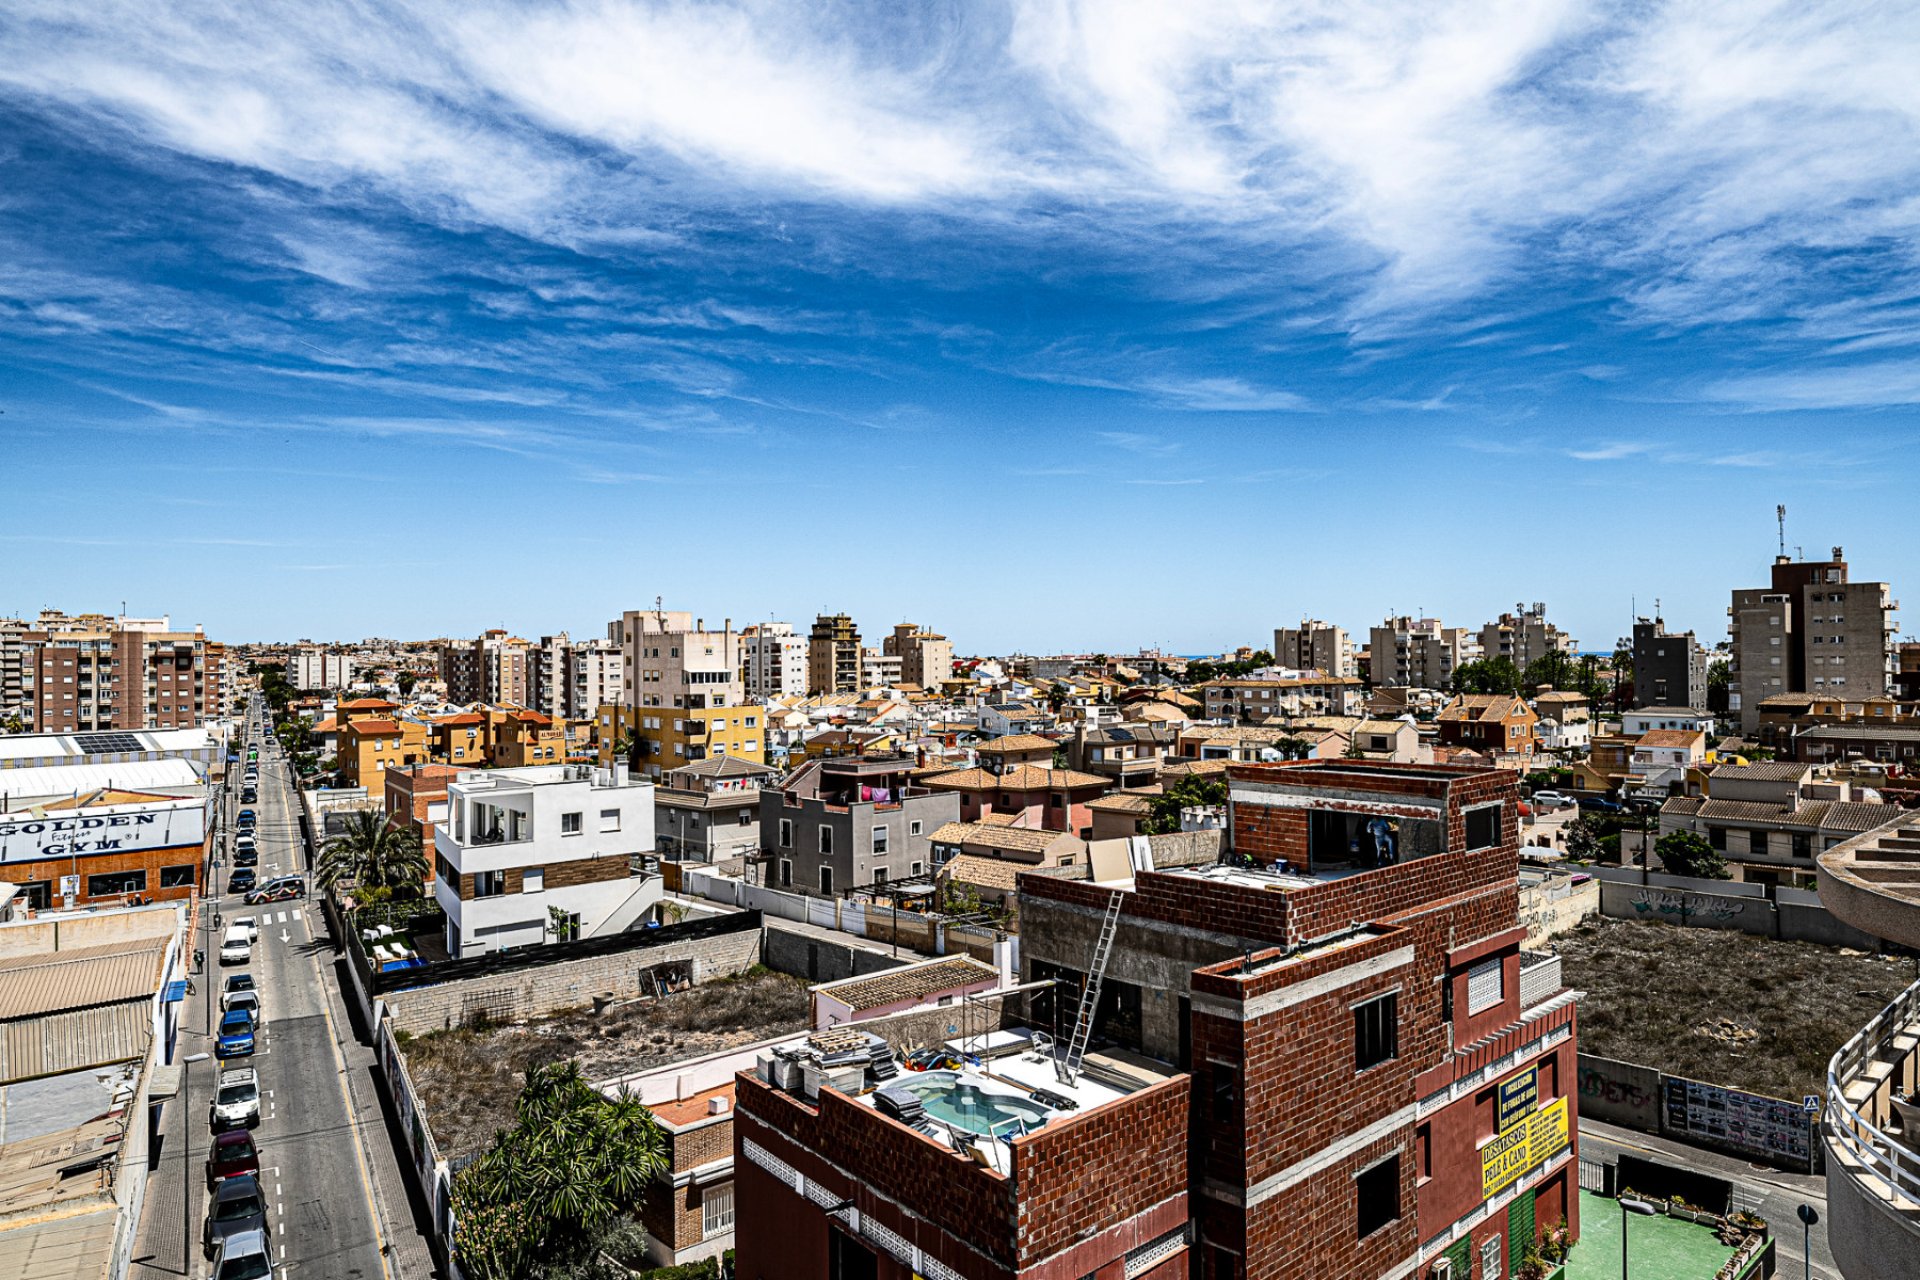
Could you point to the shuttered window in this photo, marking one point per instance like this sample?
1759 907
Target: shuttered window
1485 985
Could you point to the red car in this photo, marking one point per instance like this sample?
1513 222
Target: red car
233 1154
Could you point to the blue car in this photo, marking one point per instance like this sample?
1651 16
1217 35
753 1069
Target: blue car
246 818
236 1034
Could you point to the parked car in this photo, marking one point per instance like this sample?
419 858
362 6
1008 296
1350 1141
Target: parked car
251 925
242 880
236 1102
249 796
232 1154
248 1000
236 946
245 819
1598 804
235 1036
245 1255
239 1206
237 982
1546 801
246 856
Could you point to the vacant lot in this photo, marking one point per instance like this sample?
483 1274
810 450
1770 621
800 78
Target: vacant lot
1722 1006
468 1079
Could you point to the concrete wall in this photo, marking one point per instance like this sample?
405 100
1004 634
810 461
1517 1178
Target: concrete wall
1726 905
1622 1093
1548 910
567 984
816 959
45 934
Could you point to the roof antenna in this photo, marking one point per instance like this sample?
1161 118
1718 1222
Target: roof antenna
1780 515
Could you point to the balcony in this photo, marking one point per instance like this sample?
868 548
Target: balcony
1539 978
1873 1145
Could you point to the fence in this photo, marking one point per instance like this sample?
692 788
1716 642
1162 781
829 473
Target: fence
1727 904
1749 1125
432 1175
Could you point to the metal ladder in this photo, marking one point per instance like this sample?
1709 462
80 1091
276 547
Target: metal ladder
1067 1068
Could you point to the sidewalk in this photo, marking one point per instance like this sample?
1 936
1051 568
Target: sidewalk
401 1217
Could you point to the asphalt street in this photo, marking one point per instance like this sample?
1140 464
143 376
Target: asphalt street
314 1168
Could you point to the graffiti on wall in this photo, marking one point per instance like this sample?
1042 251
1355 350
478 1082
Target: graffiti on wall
1685 906
1620 1093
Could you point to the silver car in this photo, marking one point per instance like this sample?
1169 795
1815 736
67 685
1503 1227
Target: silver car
239 1209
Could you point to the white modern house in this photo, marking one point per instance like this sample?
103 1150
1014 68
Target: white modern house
544 854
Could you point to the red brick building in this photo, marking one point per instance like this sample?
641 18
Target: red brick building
1333 1062
1495 723
416 796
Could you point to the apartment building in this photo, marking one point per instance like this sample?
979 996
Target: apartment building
1332 1063
774 661
493 667
415 797
1315 646
571 679
664 739
833 655
670 660
369 745
1418 653
848 823
320 669
1496 724
1257 700
62 673
545 854
1523 636
1811 630
710 811
926 658
1669 667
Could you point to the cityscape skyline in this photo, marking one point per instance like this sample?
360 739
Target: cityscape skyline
1327 279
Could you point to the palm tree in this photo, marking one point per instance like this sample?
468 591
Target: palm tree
372 853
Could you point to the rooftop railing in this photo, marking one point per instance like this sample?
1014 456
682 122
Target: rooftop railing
1870 1061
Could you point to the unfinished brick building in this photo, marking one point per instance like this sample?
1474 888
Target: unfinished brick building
1328 1059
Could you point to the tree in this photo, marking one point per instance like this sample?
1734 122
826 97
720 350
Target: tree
1583 838
1719 684
13 723
1556 669
1622 676
374 854
571 1168
1188 792
1683 853
1487 675
406 680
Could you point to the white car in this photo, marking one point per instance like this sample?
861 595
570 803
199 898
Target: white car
236 1104
249 924
248 1000
1544 800
236 946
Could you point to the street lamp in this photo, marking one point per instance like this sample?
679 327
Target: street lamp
1809 1218
1627 1206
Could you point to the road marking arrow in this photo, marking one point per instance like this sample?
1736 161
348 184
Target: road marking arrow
284 938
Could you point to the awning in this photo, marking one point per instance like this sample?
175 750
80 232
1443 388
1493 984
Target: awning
165 1082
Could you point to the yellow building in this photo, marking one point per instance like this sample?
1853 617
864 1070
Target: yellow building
370 745
667 737
521 738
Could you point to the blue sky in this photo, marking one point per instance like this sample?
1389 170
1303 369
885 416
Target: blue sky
1052 326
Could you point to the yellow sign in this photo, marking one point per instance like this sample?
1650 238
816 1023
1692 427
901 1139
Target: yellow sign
1521 1146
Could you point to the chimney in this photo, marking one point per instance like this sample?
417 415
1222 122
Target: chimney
1838 555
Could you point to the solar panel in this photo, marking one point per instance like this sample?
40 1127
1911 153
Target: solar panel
99 744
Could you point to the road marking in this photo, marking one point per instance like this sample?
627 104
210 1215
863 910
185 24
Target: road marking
296 913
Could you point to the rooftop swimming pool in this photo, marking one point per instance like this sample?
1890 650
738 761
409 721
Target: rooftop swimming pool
974 1107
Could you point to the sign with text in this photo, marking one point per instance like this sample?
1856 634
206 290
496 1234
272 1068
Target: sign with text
1535 1139
64 833
1516 1098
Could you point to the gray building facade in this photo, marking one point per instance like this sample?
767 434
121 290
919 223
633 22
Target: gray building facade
850 823
1669 667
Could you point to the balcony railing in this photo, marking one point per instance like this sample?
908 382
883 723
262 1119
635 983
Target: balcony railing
1863 1087
1539 977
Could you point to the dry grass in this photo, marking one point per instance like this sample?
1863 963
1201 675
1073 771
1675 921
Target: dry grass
468 1078
1722 1006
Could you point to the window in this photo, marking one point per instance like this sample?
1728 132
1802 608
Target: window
609 819
916 869
826 839
913 828
1225 1082
1491 1259
533 880
716 1211
880 840
826 881
786 833
1378 1192
786 873
879 876
1376 1031
489 884
116 882
1757 843
746 817
1717 837
570 824
1486 985
1483 827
